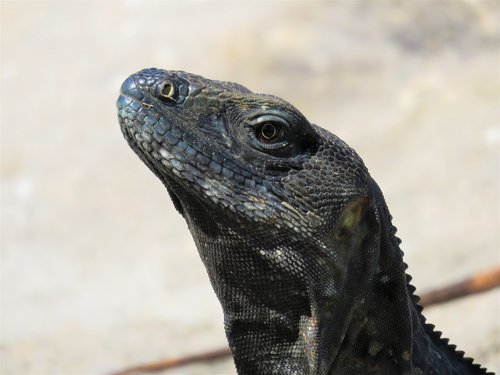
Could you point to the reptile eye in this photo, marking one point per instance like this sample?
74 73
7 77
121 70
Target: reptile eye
269 132
168 92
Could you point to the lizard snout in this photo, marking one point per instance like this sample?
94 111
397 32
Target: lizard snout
130 89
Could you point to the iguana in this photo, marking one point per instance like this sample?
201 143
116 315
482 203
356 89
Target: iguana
295 235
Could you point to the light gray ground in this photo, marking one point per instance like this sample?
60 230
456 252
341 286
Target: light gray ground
99 272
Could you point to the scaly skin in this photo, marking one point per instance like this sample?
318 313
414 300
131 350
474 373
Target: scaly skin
295 235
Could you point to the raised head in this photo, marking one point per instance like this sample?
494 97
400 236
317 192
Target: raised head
295 235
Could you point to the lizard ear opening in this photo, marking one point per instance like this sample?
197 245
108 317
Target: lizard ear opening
351 216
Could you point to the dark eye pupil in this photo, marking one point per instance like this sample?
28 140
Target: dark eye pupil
268 132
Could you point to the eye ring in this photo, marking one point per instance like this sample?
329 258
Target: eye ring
269 132
269 129
168 92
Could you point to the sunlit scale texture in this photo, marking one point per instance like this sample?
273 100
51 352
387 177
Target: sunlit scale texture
295 235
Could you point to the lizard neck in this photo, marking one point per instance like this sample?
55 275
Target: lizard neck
290 308
317 317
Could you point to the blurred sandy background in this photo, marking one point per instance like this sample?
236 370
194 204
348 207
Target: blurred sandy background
99 272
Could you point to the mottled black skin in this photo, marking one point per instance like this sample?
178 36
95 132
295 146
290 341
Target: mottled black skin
295 235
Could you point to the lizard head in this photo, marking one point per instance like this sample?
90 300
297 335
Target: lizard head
254 155
295 235
281 210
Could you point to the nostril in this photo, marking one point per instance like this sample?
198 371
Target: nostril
168 92
129 88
